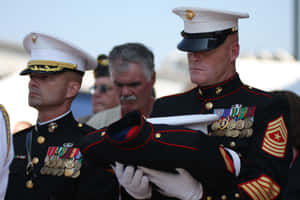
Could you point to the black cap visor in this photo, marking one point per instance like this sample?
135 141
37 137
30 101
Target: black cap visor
203 41
200 44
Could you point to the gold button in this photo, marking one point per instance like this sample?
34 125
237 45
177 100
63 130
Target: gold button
210 134
223 197
232 144
219 90
240 155
35 160
200 92
29 184
208 198
103 133
41 139
250 87
237 195
157 135
209 105
80 125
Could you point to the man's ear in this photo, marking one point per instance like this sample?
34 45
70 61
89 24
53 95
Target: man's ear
73 89
235 51
153 78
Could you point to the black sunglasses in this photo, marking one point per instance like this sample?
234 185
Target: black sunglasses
101 89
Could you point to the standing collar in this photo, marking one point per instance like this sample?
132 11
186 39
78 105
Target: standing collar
52 125
52 120
221 89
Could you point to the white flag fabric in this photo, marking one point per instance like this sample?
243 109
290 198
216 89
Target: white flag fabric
195 121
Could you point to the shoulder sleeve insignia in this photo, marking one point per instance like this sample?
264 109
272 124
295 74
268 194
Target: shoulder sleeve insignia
263 188
275 139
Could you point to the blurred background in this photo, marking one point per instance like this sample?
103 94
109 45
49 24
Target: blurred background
269 42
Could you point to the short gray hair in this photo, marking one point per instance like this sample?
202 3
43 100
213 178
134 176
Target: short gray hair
122 55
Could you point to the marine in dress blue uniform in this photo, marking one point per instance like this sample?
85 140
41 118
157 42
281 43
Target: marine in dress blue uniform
48 163
252 122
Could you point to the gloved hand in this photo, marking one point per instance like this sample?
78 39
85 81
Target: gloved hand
133 181
182 185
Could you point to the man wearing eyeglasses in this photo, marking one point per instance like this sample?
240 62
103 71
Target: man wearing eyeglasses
105 99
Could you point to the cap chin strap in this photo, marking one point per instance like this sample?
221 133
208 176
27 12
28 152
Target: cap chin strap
215 34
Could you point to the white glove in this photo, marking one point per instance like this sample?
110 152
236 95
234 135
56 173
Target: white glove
134 181
182 185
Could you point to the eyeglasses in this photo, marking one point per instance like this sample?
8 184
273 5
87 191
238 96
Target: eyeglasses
101 89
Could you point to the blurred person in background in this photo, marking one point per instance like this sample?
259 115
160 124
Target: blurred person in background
132 71
6 150
292 191
105 98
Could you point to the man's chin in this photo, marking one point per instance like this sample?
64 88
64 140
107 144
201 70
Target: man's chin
127 109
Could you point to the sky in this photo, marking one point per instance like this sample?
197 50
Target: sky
96 25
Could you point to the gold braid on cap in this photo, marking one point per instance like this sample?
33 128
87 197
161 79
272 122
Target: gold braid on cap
49 65
103 62
7 126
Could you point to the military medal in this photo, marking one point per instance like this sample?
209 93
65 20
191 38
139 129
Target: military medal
68 172
60 172
220 133
43 170
215 126
231 124
228 133
248 122
76 174
235 133
240 124
247 132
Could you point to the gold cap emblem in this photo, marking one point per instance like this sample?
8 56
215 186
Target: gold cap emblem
189 14
34 38
52 127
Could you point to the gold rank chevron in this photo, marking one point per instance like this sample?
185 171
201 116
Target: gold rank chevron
263 188
275 139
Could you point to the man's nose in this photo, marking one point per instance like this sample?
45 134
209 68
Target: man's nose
125 91
33 81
